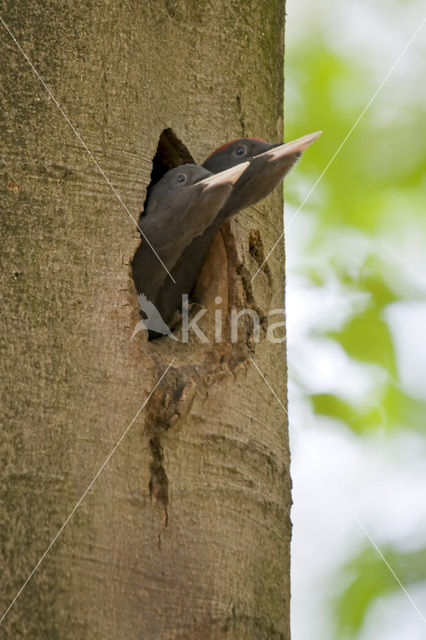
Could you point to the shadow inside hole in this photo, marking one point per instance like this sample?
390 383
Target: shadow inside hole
171 152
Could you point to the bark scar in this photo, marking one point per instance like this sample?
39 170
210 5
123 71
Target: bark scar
159 482
257 252
172 401
168 404
241 115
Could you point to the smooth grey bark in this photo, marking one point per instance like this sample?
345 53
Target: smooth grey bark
185 534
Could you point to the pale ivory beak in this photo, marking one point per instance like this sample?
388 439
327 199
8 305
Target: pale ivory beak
287 149
229 176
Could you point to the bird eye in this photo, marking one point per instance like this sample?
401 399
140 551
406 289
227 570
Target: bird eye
181 178
240 151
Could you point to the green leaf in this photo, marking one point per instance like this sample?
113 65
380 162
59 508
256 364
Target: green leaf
358 419
366 337
368 579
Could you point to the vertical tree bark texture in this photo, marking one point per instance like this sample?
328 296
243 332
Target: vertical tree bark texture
185 533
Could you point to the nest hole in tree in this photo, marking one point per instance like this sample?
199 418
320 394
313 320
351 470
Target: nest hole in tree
171 152
213 278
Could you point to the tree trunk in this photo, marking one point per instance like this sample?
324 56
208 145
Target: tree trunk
185 532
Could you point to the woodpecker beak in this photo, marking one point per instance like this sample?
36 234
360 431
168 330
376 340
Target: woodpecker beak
289 148
230 176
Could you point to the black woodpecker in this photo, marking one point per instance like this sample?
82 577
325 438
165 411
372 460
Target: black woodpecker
268 164
179 208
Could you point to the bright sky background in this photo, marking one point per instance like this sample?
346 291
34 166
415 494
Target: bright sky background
382 477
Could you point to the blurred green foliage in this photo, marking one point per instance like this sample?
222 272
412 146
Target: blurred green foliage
373 192
368 578
374 187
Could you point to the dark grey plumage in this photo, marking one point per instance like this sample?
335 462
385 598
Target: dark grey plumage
269 163
179 208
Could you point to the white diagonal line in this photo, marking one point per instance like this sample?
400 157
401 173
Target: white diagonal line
333 157
84 145
342 495
96 476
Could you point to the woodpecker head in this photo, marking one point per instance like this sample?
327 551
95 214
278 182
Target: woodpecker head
181 186
234 152
174 186
185 201
179 207
269 163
